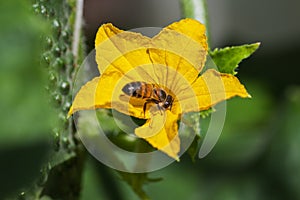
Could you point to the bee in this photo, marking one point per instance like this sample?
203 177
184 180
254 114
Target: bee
152 93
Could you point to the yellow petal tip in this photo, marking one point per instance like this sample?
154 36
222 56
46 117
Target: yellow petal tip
70 112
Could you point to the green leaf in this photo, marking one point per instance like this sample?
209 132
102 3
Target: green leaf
227 59
136 182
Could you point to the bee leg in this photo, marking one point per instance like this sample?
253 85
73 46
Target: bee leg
150 101
171 104
160 109
145 107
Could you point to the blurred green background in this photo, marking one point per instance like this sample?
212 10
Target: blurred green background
257 155
25 115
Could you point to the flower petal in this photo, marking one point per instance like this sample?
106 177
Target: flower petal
211 88
106 92
181 46
128 48
191 28
161 131
85 98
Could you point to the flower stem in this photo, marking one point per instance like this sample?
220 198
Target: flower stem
77 28
196 9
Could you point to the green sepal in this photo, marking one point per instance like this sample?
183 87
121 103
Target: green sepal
190 125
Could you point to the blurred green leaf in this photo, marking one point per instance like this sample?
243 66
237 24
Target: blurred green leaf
137 181
227 59
20 166
91 185
181 180
25 114
26 117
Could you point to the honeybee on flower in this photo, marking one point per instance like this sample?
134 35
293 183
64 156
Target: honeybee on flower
156 79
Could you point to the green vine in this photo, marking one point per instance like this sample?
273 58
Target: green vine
66 159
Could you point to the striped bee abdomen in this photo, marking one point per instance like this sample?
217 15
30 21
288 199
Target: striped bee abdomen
138 89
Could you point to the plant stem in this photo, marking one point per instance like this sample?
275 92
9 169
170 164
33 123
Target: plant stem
196 9
77 28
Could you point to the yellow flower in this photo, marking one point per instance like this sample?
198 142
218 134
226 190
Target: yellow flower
171 61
